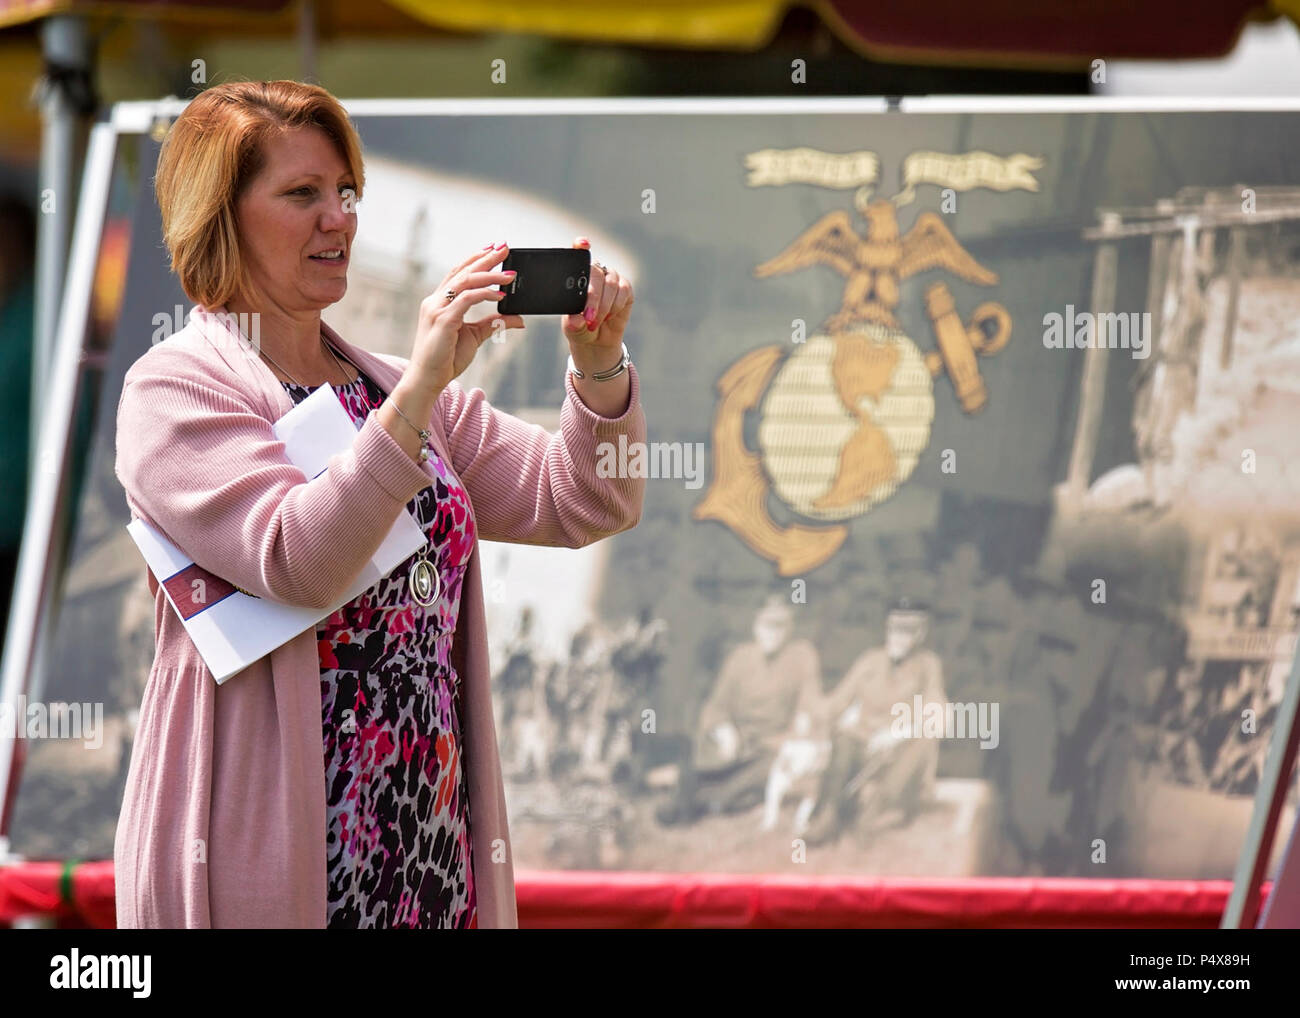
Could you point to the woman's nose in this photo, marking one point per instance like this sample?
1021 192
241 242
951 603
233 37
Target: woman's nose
337 215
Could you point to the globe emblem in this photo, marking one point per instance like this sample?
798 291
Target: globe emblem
844 417
844 421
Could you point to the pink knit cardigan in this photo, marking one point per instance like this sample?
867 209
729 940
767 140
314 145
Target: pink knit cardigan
223 816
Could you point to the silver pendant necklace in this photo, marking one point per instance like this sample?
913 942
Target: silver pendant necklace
422 578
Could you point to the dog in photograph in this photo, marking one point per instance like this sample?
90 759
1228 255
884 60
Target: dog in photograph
795 772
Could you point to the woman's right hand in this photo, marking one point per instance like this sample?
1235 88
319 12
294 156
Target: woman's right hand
445 343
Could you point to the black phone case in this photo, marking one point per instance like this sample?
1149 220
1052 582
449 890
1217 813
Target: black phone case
551 281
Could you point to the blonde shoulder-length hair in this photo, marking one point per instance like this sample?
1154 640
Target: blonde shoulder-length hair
209 155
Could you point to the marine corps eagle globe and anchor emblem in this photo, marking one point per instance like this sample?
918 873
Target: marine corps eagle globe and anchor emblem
844 417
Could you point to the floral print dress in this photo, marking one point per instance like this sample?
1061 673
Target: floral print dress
397 810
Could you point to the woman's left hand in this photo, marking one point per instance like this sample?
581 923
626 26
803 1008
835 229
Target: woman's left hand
596 336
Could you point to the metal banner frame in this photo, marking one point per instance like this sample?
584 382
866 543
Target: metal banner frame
40 561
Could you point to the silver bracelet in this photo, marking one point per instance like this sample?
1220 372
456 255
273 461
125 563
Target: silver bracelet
603 376
422 432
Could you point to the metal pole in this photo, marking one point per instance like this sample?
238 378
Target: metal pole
1243 903
1282 910
66 50
39 556
307 40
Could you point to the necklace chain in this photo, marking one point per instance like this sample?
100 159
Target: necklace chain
294 380
419 514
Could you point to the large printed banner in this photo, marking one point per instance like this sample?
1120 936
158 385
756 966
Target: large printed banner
971 541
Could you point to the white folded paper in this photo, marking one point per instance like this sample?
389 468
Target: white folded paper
230 628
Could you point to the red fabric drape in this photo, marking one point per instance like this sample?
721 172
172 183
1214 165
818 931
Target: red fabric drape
82 895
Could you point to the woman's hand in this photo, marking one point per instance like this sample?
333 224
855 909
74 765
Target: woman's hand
445 343
596 336
596 339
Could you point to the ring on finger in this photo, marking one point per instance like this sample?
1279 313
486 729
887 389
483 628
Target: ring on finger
450 295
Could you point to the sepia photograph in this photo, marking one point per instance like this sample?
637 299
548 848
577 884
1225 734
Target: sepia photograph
798 468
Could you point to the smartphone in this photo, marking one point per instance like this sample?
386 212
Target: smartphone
551 281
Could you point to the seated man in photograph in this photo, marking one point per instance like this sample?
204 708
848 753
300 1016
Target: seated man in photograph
765 684
871 769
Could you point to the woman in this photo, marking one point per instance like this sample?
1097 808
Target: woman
351 777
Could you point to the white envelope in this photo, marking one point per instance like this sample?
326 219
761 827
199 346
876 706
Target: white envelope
235 629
